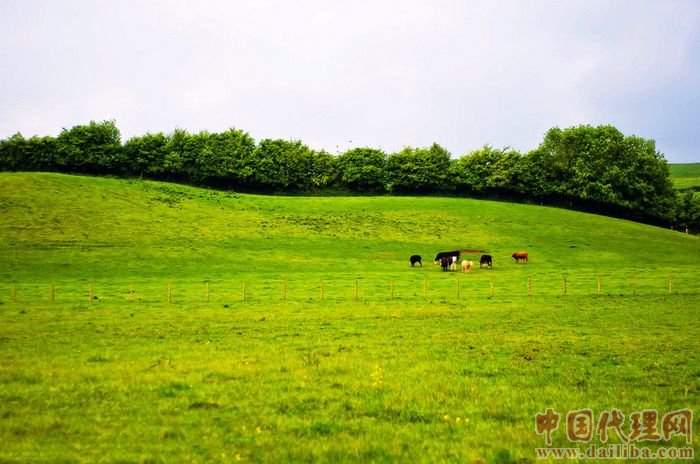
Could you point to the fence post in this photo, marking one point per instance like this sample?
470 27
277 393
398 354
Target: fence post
598 285
53 293
243 291
670 283
206 291
392 289
529 286
357 290
170 291
14 293
321 289
90 292
565 285
634 286
491 285
131 293
284 291
458 289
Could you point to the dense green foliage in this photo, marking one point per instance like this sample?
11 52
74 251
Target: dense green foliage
592 168
396 375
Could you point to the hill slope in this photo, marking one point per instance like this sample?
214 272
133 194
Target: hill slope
59 227
685 175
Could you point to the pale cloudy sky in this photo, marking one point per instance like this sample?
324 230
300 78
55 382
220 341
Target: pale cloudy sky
342 74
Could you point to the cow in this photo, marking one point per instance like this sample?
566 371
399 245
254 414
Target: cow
467 266
454 263
416 259
520 256
486 259
448 254
445 262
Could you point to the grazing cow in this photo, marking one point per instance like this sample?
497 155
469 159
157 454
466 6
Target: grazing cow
445 262
454 263
448 254
467 266
486 259
416 259
520 256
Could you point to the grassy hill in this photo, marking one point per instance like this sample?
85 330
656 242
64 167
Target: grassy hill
64 228
685 175
337 350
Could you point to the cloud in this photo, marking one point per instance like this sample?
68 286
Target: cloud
380 73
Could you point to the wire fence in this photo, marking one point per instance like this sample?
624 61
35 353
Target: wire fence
447 286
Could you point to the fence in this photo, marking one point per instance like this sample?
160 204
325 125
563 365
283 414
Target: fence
452 286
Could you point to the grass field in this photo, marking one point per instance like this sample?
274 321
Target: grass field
337 350
685 175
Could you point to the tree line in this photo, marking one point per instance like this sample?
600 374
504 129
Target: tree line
591 168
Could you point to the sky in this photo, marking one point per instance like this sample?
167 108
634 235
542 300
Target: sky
363 73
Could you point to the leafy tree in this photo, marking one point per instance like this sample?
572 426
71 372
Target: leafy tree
600 164
321 170
473 172
94 148
419 170
226 159
282 165
687 214
20 154
145 155
362 169
175 153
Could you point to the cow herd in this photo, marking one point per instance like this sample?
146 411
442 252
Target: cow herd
448 260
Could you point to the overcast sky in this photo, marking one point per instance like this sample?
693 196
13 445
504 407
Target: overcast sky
345 74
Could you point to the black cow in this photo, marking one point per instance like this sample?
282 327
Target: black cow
445 262
486 259
448 254
416 259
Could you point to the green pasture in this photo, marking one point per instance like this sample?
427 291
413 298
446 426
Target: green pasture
685 176
150 322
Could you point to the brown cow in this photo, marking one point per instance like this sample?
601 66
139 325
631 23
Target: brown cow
520 256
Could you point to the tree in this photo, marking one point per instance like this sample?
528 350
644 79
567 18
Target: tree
94 148
473 172
226 159
20 154
687 214
282 165
362 170
145 155
419 170
600 164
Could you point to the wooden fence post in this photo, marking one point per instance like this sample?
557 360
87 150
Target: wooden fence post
491 285
321 289
565 285
14 293
243 291
458 289
53 293
392 289
598 293
206 291
357 290
284 291
634 286
131 293
90 292
529 286
670 283
170 291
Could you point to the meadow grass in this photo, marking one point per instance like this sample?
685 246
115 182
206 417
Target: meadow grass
338 351
685 175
